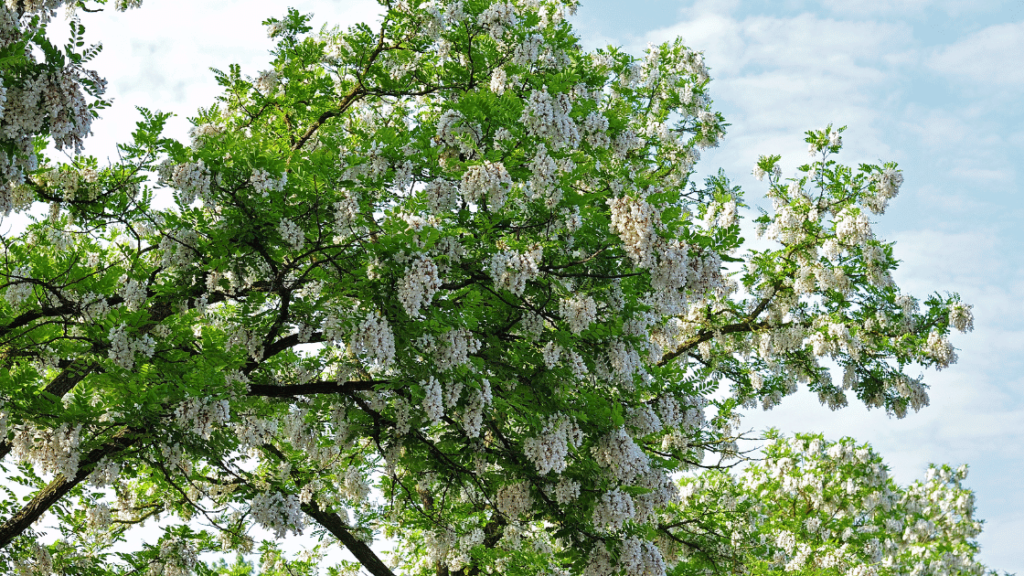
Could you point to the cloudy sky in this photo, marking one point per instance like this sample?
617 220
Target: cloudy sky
935 85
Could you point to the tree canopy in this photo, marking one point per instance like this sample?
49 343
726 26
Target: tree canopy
448 287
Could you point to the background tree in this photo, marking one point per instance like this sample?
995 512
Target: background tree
819 507
447 282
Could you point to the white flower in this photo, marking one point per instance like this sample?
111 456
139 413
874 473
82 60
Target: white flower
961 317
579 311
98 517
292 234
621 455
374 341
852 228
514 500
274 29
547 116
278 513
498 81
552 353
613 510
454 348
419 285
355 488
940 350
566 491
548 450
512 270
489 179
121 350
433 401
263 183
267 81
201 416
20 289
192 180
497 17
134 294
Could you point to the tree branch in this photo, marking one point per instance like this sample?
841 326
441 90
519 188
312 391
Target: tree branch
319 387
332 522
59 487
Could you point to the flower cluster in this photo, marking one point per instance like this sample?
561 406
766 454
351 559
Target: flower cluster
454 348
265 184
123 348
55 451
579 311
419 285
548 451
547 116
512 270
20 287
192 180
514 500
489 180
292 234
202 416
374 341
277 512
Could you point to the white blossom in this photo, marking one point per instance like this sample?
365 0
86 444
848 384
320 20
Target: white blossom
374 340
548 450
514 500
579 311
433 402
19 290
512 270
624 459
419 285
192 180
613 509
265 184
489 180
278 513
961 317
497 17
291 233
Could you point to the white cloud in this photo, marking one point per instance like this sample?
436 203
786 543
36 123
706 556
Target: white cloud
775 78
160 56
990 57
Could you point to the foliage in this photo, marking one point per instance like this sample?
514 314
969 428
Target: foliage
819 507
449 282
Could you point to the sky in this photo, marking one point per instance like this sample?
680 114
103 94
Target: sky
935 85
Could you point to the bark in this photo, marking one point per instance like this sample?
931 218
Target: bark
332 522
290 391
58 488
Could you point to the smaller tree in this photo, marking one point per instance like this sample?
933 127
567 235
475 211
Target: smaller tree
819 507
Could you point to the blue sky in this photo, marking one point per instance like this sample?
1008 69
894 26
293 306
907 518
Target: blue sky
935 85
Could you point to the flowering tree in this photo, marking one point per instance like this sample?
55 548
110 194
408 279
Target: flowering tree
448 284
821 507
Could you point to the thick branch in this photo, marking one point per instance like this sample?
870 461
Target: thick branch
58 488
319 387
705 335
332 522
